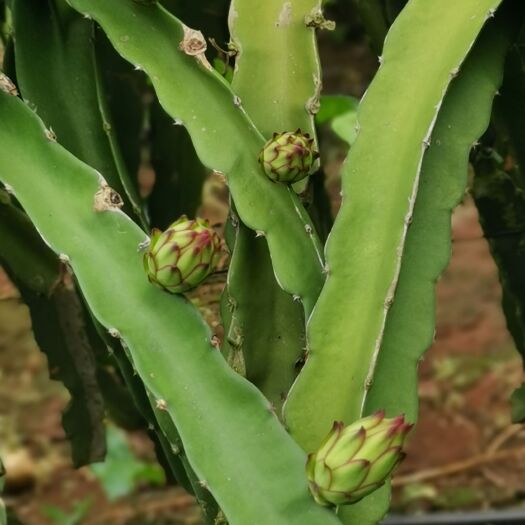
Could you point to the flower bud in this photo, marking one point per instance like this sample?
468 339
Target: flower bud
354 461
181 257
288 157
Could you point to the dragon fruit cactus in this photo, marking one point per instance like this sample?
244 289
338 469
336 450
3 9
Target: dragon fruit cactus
354 461
288 157
181 257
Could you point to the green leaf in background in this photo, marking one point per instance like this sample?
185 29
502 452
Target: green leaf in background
122 472
75 517
333 106
339 112
345 126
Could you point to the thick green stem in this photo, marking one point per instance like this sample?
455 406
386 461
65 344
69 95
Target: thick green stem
58 73
410 324
224 137
233 441
289 82
59 326
380 183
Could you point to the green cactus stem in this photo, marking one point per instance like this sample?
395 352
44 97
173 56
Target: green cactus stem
353 351
464 117
365 248
60 328
278 52
166 338
224 137
268 347
410 324
59 73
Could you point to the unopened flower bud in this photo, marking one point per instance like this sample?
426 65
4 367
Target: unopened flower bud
288 157
181 257
354 461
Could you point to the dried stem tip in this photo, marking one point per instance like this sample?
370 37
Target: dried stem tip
7 85
193 43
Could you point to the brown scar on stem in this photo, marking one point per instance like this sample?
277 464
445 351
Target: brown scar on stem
317 20
7 85
194 44
107 199
313 104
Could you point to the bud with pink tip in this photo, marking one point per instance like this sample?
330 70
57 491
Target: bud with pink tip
289 156
354 461
181 257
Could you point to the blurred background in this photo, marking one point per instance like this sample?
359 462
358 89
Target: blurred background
464 453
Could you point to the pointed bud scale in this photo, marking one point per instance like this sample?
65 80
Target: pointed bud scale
354 461
181 257
288 157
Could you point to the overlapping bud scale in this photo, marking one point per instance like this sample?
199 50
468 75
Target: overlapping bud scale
288 157
182 256
354 461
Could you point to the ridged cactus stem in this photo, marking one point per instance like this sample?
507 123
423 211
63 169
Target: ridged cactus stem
381 179
269 347
58 72
410 325
375 221
168 341
224 137
278 52
60 328
199 487
468 105
169 440
273 56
